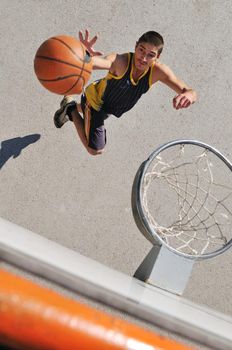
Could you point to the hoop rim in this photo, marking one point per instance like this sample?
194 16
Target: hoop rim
139 215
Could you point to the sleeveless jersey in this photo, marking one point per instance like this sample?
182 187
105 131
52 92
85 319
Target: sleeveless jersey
117 95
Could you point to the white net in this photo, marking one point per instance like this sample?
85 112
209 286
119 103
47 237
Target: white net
187 199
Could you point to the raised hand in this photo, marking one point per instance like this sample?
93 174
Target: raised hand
184 100
89 43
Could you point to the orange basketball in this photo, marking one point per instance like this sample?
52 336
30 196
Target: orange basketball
63 65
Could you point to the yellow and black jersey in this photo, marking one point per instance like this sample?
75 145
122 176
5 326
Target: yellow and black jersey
117 95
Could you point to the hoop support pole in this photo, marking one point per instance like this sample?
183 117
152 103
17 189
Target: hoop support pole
166 270
34 317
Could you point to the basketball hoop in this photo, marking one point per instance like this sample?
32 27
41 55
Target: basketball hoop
182 199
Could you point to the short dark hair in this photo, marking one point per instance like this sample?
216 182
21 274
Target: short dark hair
154 38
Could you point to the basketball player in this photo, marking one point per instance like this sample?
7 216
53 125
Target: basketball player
129 76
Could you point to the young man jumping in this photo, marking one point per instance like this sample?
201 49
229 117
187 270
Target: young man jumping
130 75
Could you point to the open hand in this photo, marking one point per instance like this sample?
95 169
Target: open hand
89 43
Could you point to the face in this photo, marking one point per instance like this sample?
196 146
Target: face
145 55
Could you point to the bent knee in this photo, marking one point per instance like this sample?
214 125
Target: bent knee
94 152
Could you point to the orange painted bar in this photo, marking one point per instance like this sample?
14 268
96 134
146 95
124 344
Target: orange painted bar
34 317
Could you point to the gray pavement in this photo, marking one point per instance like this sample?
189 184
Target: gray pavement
50 185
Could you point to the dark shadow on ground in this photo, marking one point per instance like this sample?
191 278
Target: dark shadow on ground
13 147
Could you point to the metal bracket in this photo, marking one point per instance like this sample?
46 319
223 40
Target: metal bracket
165 269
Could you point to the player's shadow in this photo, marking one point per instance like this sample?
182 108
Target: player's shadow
13 147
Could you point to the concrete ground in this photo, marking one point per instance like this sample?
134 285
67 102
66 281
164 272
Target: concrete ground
50 185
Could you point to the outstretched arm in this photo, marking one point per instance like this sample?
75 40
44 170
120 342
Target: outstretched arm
99 61
105 62
185 95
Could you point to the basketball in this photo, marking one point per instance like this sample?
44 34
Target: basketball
63 65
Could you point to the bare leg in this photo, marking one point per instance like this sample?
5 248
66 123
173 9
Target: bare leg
79 125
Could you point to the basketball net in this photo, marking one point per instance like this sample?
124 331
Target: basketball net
198 218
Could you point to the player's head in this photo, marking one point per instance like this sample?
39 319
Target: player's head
152 38
148 48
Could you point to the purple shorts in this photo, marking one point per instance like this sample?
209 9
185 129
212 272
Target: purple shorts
94 125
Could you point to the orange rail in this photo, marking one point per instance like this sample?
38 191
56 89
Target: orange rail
33 317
